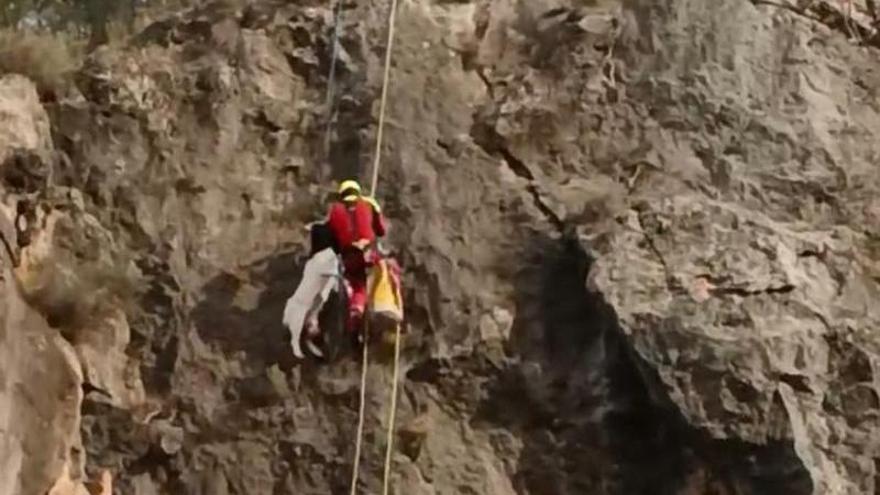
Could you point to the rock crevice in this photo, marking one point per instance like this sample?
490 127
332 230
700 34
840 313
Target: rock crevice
646 269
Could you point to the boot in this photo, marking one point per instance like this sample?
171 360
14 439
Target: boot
312 334
314 348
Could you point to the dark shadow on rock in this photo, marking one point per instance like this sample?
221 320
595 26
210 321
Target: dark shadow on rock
243 313
349 141
113 438
154 327
595 418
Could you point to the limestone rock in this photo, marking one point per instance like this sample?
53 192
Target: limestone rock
639 243
24 124
40 398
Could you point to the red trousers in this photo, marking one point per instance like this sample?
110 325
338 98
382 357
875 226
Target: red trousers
355 267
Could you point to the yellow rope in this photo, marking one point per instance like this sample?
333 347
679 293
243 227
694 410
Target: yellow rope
390 439
386 480
378 153
360 426
364 364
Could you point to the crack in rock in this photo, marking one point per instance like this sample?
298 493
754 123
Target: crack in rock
522 170
743 292
835 18
671 283
487 138
89 387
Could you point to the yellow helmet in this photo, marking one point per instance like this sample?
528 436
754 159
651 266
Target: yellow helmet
350 189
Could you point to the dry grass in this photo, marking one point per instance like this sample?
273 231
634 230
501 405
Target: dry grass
48 57
74 295
45 58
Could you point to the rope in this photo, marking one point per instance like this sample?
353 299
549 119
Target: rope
390 439
363 400
331 78
389 444
364 364
378 154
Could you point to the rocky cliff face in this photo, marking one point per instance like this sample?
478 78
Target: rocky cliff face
640 242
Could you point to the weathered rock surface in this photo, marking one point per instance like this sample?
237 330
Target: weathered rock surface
640 243
25 123
40 376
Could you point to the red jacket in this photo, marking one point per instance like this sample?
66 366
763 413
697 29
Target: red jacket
351 222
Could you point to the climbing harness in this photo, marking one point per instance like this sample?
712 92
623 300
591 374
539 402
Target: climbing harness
389 444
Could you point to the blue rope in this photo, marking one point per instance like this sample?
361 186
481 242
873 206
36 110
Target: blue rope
331 78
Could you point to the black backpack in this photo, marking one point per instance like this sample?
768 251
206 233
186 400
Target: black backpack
322 238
